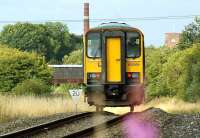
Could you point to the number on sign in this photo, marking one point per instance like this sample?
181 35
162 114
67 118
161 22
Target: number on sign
76 93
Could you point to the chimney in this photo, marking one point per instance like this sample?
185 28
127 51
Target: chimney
86 17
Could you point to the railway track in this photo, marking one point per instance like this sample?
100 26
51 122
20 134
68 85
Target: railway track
94 129
42 129
45 127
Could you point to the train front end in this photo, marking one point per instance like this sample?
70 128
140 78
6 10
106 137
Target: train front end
114 65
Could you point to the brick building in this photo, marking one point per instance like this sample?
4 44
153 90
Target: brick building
172 39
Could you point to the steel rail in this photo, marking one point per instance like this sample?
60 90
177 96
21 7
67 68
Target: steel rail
97 128
45 126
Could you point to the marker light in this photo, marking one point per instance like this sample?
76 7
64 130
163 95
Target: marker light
133 77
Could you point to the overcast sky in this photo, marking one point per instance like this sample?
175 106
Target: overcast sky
34 10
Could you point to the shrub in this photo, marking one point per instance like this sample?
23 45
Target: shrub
155 60
17 66
74 58
174 73
32 87
180 75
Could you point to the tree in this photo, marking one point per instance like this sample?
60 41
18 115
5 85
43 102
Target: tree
17 66
76 42
155 60
26 37
58 41
173 73
75 57
190 35
51 40
182 73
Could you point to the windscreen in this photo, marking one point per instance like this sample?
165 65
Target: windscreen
94 45
133 44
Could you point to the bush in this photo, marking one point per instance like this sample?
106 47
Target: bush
155 60
74 58
32 87
17 66
178 75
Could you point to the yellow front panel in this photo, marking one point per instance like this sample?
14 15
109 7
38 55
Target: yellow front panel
113 59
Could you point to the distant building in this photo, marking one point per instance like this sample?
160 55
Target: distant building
172 39
67 74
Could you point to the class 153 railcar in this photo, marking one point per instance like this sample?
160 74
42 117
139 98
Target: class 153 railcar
114 67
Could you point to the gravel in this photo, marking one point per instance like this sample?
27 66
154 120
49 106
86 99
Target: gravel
154 123
24 123
151 123
76 126
182 126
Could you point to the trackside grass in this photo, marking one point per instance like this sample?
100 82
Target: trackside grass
13 107
170 105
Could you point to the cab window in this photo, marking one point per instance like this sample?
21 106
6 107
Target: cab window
133 45
94 45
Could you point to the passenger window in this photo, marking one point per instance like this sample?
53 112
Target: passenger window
133 45
94 45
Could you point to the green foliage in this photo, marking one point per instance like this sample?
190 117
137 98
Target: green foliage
155 59
16 66
174 73
25 36
32 87
64 89
183 73
190 35
75 57
51 40
76 42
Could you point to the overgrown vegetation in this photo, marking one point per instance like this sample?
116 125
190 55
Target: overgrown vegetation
17 107
76 57
168 104
176 72
33 87
17 66
173 73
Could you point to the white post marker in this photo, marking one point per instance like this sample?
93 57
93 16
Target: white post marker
75 94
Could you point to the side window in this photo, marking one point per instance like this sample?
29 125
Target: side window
133 44
94 45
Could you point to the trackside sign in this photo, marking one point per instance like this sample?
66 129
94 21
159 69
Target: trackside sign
75 94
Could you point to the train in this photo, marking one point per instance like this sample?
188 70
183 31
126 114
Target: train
114 66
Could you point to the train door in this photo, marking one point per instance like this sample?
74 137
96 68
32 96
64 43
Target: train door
113 60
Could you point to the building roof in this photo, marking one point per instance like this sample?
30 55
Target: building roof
66 66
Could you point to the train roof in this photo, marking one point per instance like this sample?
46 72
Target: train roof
113 26
66 66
